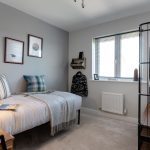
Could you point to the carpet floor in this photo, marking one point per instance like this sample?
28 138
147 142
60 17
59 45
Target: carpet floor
94 133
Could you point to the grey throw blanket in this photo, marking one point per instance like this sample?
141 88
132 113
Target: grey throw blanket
62 110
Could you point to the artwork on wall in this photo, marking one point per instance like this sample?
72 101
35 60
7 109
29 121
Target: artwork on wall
14 51
35 45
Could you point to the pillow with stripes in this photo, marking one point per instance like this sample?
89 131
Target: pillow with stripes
4 87
35 83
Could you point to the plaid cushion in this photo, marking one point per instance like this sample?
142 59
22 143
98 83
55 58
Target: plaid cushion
4 87
35 83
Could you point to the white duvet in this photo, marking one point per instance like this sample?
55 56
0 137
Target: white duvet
30 113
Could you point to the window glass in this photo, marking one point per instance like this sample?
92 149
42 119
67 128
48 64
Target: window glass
129 54
107 57
117 56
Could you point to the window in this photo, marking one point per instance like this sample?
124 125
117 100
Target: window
107 46
117 56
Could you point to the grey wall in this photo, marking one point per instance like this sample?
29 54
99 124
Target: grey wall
82 41
53 65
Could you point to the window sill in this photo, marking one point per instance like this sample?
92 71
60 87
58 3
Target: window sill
116 80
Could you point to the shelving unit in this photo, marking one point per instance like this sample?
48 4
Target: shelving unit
144 88
78 63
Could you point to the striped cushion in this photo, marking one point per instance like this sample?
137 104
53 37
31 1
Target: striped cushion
35 83
4 87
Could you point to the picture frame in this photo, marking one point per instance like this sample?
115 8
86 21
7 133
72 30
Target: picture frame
35 46
96 77
14 51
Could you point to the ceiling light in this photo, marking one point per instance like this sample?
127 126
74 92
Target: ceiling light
82 3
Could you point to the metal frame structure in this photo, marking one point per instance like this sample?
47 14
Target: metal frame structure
144 75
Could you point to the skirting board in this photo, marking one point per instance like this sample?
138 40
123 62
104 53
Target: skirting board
99 113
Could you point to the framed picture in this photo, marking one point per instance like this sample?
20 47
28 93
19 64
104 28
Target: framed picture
14 51
35 46
96 77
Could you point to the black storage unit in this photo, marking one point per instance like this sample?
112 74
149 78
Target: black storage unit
144 88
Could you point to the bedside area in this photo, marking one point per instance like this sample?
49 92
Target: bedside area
9 139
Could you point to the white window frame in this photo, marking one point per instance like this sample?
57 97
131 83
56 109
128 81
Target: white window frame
117 56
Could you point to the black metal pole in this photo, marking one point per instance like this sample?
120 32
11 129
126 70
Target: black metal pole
79 116
139 92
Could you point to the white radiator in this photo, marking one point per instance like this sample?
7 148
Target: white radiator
113 102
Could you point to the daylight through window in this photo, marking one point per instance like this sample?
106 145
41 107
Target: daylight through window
117 56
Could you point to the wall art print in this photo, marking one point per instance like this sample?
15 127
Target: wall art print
14 51
35 46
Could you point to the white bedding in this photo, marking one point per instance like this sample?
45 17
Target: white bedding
29 114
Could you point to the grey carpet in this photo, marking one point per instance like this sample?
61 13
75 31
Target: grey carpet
94 133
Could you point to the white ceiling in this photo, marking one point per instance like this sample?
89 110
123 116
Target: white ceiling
68 15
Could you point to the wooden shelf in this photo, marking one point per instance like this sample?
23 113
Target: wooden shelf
78 63
145 146
145 132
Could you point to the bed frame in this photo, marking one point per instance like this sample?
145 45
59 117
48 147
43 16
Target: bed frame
78 116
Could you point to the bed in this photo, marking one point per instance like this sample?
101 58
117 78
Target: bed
58 108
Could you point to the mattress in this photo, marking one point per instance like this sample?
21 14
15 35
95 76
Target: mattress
29 114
